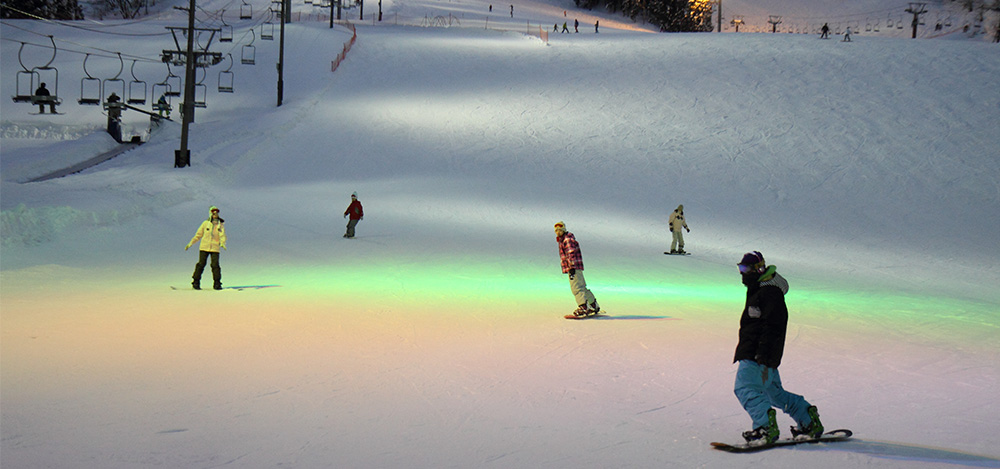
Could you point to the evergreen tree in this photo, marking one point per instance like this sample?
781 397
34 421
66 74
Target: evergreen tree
680 15
48 9
668 15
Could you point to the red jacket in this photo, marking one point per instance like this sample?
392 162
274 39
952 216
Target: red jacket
569 253
355 210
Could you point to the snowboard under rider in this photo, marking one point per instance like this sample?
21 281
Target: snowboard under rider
356 212
761 345
676 223
571 259
212 234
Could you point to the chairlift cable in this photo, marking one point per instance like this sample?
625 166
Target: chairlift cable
840 17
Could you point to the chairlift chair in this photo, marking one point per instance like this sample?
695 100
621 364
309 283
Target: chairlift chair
246 11
226 77
90 87
249 52
226 30
136 89
28 81
267 27
173 83
161 89
51 76
201 91
115 84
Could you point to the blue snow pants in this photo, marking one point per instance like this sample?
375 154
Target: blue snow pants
758 392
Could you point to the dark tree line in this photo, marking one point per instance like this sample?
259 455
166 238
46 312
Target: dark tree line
669 15
49 9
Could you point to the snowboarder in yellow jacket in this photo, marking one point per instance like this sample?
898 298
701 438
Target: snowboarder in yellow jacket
212 234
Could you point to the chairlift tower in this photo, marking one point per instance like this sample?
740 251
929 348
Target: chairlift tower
202 56
281 50
774 20
182 157
916 9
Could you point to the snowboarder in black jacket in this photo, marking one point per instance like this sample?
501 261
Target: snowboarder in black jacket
761 346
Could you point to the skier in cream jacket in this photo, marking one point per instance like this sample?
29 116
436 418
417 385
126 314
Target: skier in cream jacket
212 235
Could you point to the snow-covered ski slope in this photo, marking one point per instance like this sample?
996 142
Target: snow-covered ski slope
867 172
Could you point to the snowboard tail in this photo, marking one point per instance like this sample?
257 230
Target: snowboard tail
828 437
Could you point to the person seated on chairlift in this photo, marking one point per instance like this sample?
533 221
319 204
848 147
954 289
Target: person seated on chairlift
45 97
163 106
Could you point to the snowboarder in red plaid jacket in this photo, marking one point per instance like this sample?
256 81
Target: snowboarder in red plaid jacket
571 259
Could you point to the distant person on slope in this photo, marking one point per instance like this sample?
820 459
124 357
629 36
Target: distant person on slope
826 31
212 234
571 259
676 223
847 34
356 212
762 342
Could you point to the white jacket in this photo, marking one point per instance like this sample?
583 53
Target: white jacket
212 236
676 221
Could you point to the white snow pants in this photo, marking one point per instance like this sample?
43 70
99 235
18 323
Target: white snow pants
678 240
579 286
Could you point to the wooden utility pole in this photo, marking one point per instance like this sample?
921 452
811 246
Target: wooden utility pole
720 15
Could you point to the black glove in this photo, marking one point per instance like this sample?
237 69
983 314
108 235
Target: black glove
572 272
689 229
